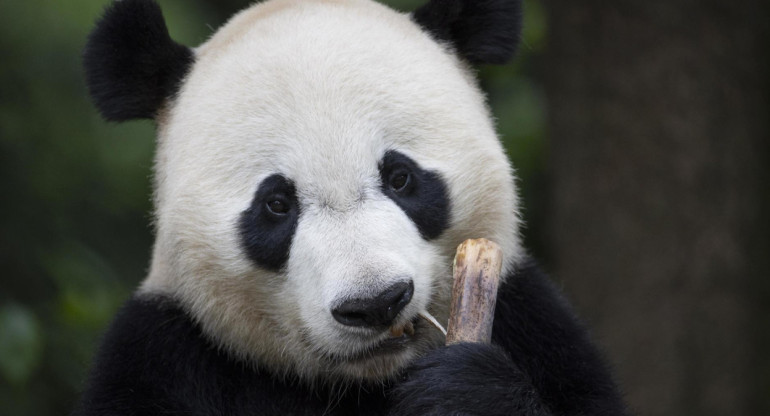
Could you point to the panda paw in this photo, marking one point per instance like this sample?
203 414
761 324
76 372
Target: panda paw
466 379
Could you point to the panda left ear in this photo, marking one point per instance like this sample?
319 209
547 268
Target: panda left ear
481 31
132 66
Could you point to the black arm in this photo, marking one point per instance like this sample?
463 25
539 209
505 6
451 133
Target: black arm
538 328
542 363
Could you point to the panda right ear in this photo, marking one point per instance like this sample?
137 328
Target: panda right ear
132 65
480 31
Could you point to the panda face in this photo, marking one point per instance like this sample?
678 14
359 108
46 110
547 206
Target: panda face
312 186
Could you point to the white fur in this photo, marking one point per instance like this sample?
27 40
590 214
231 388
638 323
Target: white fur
318 91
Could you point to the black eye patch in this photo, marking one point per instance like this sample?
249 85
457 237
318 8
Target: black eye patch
268 225
420 193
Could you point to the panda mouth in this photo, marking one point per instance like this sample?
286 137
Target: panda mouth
398 331
415 333
399 336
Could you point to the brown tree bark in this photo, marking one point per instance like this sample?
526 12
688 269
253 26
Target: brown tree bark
659 204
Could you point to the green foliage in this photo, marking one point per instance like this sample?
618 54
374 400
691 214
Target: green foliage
75 214
21 343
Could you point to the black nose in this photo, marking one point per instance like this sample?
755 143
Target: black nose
376 311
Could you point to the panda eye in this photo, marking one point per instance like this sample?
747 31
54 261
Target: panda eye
421 194
277 207
400 180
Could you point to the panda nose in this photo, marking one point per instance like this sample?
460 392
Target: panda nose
379 310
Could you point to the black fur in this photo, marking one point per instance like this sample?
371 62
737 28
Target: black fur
266 237
468 379
481 31
154 360
536 321
424 197
132 66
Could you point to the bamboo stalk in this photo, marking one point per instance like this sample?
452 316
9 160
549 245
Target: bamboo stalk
477 268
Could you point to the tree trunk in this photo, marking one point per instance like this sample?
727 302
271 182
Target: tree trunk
659 203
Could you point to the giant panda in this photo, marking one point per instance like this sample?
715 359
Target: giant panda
318 162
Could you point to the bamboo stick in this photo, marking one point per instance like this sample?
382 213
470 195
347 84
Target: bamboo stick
476 273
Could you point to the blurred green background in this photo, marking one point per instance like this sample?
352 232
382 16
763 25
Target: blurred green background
75 211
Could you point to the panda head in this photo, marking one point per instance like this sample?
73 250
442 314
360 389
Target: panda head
318 163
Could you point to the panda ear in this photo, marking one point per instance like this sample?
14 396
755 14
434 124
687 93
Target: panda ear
481 31
131 64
